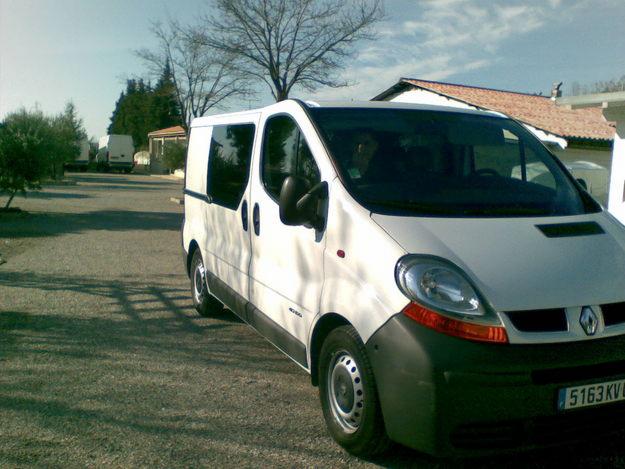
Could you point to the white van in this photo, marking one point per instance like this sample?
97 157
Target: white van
401 255
116 152
81 162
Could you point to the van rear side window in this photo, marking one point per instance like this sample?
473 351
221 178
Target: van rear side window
229 163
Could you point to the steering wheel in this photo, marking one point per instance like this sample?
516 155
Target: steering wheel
486 172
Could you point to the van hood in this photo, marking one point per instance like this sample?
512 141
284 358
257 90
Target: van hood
515 265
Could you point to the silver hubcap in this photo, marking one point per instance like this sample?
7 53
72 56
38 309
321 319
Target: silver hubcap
346 392
198 282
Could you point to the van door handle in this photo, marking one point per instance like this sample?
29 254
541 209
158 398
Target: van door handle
256 219
244 215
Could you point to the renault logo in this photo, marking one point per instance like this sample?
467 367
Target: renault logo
588 320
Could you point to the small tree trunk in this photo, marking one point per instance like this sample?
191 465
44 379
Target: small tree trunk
282 95
10 200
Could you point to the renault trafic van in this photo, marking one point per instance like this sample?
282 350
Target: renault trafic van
438 295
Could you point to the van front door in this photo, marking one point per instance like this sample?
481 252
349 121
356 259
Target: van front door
286 272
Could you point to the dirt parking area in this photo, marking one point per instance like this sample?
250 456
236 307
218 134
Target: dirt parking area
104 363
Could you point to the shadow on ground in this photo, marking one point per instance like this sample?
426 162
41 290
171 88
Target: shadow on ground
590 453
130 358
133 336
50 195
38 224
132 187
129 315
130 181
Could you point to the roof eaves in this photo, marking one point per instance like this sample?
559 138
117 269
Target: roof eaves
396 88
409 80
167 133
585 138
449 96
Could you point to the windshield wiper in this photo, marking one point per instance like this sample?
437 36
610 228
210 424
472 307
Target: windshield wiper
523 211
430 209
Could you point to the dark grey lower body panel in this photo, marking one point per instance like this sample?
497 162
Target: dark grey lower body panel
249 313
449 396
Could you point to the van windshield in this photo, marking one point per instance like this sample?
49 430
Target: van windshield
407 162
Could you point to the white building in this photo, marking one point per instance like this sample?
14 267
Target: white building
574 135
612 106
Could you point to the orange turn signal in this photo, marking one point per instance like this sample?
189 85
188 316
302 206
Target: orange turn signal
455 327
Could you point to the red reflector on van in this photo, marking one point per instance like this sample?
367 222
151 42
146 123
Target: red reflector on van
455 327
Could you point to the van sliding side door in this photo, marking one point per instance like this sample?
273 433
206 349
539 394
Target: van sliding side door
228 244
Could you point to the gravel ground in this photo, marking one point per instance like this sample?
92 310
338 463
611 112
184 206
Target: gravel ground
104 363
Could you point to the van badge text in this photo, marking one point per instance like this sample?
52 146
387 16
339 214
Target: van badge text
296 313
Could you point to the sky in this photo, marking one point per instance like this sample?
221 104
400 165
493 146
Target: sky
53 51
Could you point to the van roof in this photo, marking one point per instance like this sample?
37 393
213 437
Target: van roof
395 105
348 104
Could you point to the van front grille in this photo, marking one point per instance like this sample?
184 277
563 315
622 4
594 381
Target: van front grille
613 313
542 320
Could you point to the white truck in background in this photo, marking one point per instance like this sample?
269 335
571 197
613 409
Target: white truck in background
82 159
115 152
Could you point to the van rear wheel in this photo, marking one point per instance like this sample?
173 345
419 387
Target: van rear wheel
204 303
348 394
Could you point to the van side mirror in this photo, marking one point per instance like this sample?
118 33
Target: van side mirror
298 204
582 182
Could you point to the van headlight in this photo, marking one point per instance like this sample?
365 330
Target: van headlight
435 283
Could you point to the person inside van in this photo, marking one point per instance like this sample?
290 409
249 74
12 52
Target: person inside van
375 157
365 147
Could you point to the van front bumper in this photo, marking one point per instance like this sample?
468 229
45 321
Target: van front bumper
452 397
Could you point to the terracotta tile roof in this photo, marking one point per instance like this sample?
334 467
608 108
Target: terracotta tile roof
168 132
538 111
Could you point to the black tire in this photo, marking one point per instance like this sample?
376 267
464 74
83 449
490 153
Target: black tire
353 416
205 304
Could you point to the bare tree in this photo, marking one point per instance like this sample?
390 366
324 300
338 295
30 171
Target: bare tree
203 77
614 85
609 86
290 42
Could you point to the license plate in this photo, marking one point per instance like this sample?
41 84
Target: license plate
591 394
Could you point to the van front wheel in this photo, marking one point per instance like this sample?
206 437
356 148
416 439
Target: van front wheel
204 303
348 394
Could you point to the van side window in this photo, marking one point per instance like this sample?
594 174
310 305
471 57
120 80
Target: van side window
285 153
229 163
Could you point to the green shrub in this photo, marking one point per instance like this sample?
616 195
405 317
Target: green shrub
174 155
34 146
67 133
25 143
